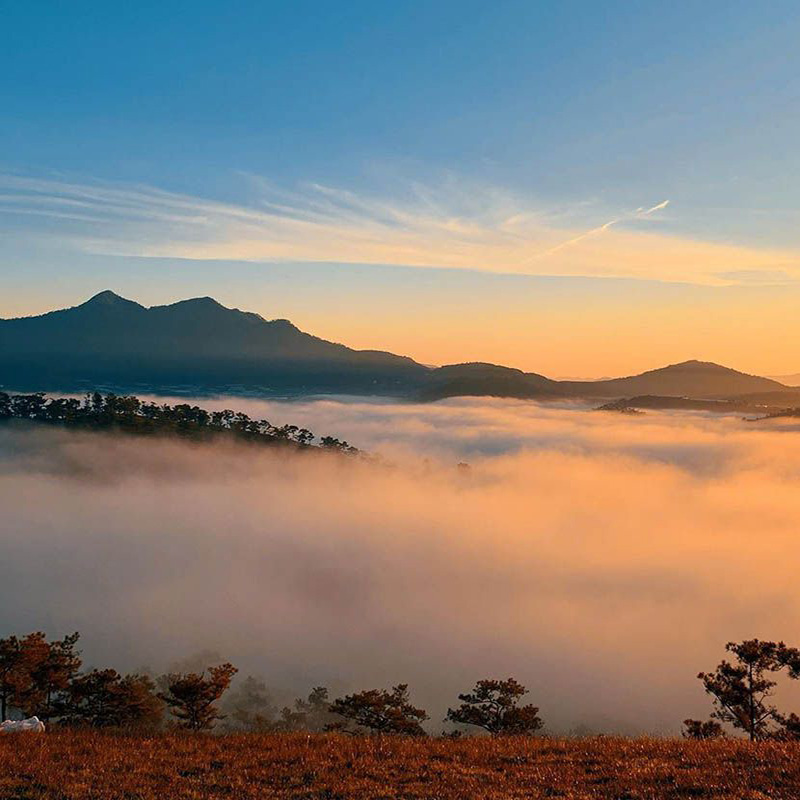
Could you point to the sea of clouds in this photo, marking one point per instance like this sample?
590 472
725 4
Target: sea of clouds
602 559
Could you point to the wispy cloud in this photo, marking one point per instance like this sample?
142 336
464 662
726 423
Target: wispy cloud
640 213
452 224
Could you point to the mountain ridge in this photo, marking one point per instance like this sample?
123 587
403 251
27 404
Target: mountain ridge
196 311
111 340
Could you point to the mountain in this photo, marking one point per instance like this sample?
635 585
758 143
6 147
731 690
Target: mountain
478 379
109 340
200 346
698 379
687 379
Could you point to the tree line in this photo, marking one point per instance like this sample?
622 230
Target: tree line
129 414
45 679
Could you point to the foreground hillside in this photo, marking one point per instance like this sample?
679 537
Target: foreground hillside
72 765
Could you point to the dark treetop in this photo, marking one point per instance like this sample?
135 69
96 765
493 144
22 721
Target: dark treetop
131 415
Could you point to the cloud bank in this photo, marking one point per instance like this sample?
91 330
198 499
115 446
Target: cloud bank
454 224
602 561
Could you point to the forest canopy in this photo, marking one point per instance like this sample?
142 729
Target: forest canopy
129 414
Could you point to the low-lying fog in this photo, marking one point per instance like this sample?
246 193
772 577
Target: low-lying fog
601 559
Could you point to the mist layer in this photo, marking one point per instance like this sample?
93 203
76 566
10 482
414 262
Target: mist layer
601 560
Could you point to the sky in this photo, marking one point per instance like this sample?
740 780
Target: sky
574 188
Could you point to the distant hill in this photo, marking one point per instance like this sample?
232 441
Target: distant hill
689 378
194 343
199 346
698 379
479 379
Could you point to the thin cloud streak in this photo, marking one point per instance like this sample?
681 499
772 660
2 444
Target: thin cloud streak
452 225
640 213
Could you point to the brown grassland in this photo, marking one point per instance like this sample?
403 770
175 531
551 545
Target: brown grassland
67 765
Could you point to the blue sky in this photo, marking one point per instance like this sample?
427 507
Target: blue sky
511 138
623 100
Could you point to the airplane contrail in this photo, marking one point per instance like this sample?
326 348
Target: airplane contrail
638 214
661 205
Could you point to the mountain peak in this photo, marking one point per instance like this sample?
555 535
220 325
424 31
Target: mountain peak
695 363
105 297
109 299
207 301
194 305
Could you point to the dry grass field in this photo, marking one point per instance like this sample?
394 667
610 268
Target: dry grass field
66 766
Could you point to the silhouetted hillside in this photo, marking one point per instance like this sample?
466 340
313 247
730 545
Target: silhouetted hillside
199 346
112 341
689 378
696 379
478 379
